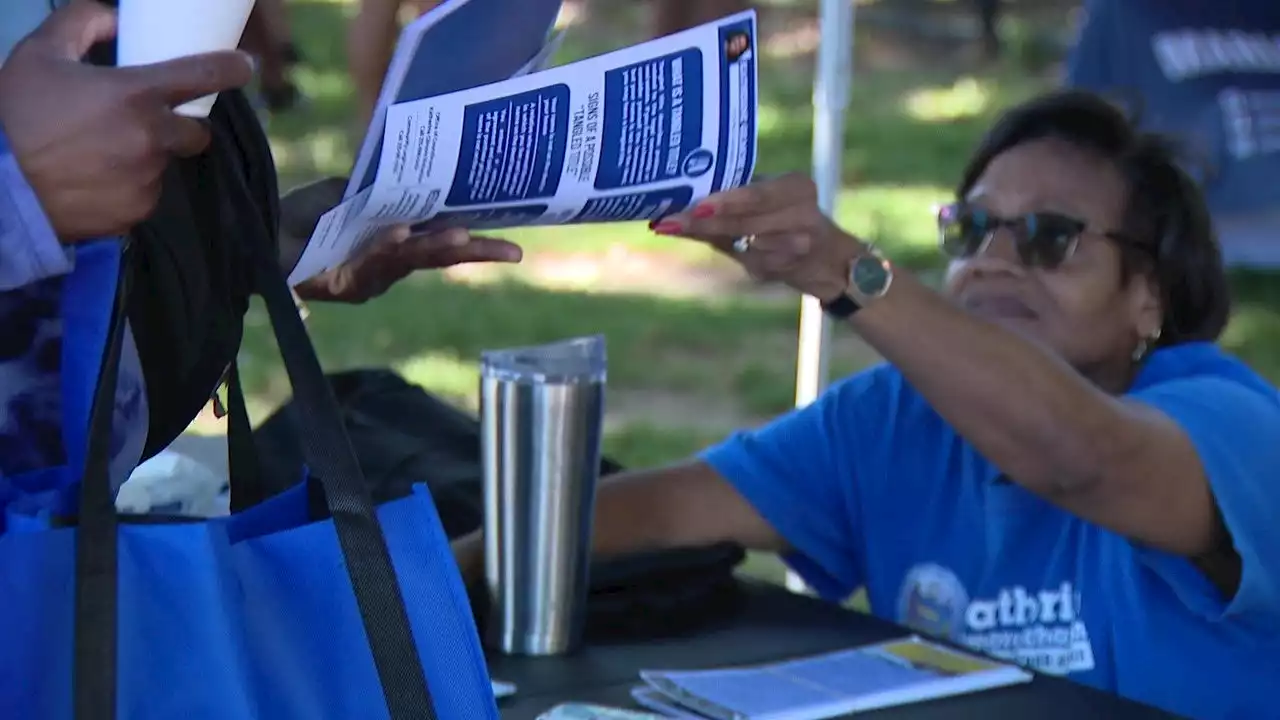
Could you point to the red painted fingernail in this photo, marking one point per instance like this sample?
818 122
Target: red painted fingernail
667 228
704 211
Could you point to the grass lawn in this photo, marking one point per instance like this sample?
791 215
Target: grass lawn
694 351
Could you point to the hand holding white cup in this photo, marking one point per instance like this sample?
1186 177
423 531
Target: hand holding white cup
152 31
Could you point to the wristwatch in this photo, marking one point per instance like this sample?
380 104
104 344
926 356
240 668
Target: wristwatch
869 278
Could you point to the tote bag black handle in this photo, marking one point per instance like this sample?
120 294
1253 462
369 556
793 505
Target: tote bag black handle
329 455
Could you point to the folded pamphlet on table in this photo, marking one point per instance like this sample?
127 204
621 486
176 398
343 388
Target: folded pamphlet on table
825 686
635 134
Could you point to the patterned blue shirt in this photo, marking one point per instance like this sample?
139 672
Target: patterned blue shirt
33 267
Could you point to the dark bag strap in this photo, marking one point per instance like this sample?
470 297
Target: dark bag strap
94 670
247 484
332 462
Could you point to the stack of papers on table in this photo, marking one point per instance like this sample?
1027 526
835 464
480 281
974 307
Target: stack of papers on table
825 686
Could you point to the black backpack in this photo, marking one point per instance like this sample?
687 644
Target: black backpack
193 277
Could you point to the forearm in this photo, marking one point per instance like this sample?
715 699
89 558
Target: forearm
29 248
371 42
628 515
686 505
1025 410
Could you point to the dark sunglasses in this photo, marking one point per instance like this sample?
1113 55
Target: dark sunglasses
1043 239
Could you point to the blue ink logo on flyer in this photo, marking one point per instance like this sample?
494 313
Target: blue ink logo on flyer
512 148
652 120
698 163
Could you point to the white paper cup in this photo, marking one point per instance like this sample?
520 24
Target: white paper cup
152 31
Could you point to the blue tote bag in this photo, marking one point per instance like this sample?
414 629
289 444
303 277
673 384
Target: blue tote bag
313 604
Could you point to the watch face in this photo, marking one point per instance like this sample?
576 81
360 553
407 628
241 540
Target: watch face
870 275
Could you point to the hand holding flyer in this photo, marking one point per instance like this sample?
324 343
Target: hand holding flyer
636 134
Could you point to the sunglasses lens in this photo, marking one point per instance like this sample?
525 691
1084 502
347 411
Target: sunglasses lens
1048 239
962 230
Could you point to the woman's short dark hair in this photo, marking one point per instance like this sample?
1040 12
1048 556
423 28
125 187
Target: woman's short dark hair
1166 214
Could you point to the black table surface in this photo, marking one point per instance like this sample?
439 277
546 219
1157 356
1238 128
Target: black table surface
774 625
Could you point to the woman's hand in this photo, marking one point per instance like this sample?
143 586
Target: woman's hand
394 254
775 229
389 258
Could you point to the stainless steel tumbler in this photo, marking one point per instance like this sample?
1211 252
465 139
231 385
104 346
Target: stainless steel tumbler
542 410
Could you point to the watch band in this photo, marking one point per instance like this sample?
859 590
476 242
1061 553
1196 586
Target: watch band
842 307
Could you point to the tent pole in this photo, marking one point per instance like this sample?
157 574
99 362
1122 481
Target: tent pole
834 76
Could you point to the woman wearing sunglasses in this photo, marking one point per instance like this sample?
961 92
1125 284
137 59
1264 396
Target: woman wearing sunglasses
1055 464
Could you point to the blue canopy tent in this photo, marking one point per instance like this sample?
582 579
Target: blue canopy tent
1208 73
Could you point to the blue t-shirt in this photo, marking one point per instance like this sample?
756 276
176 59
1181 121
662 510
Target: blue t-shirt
1209 74
870 487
